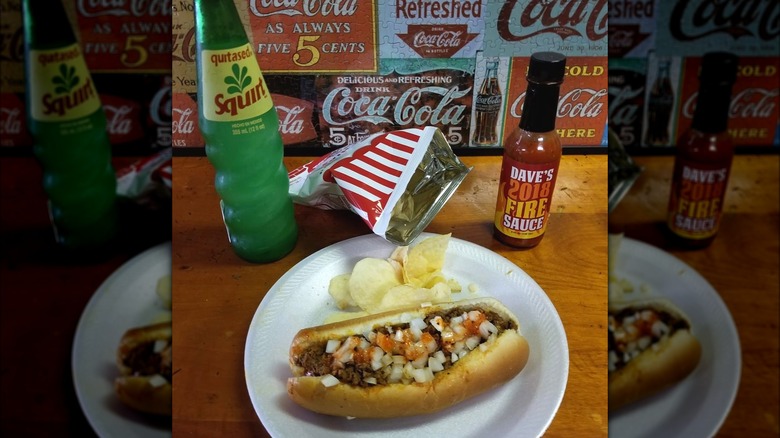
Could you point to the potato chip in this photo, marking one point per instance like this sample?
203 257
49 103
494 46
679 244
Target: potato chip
369 281
425 259
339 290
406 295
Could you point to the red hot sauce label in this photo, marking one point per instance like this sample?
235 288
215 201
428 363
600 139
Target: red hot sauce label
524 198
696 202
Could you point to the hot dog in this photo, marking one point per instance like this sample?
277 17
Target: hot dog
144 361
651 347
408 361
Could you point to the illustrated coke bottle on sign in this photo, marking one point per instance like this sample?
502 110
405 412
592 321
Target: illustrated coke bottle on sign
66 119
704 155
660 104
532 154
241 129
487 106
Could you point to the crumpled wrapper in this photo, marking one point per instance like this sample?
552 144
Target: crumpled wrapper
147 181
396 181
623 172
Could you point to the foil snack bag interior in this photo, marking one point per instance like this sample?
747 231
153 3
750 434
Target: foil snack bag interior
396 181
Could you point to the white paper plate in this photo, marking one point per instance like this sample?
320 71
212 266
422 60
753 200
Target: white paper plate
523 407
127 299
698 405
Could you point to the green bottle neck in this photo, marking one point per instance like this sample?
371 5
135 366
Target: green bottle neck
46 25
218 25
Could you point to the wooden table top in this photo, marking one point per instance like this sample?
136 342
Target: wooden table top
43 294
216 294
741 264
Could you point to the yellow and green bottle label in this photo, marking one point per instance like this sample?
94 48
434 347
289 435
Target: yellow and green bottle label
61 87
233 86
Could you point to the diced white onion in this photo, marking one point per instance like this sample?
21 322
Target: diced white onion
408 368
364 344
431 346
487 328
439 355
659 328
472 342
422 375
398 359
396 374
463 354
644 342
456 320
421 361
416 333
613 358
438 323
370 380
399 336
332 346
157 381
329 380
426 304
458 347
454 358
474 315
406 317
387 359
418 323
160 344
435 364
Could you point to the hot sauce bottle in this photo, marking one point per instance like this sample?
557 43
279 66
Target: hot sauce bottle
703 160
532 153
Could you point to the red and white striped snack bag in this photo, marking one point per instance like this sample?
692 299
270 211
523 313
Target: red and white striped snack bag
396 181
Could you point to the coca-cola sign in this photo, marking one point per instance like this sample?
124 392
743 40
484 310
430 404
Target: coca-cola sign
295 119
13 129
577 27
627 79
577 103
123 119
441 41
582 100
184 122
748 103
692 27
411 94
755 100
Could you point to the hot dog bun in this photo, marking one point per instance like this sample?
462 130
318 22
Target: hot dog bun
480 370
141 384
657 368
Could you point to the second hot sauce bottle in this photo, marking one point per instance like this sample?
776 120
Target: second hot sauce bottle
532 153
704 155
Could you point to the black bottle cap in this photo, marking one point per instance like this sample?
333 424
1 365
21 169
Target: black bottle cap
547 68
545 76
716 78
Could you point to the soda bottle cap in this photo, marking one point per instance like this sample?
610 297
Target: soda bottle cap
718 68
547 68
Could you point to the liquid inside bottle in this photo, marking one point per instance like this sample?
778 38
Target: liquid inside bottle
703 160
532 155
66 119
241 129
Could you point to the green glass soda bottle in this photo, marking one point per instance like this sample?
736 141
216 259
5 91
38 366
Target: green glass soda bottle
241 129
66 120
